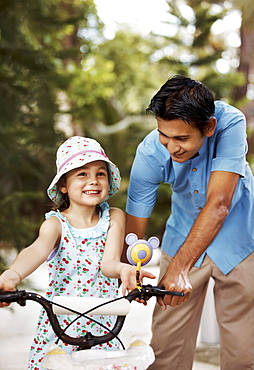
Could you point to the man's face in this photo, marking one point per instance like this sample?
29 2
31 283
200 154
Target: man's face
181 139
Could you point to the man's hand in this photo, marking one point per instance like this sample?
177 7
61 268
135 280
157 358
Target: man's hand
175 279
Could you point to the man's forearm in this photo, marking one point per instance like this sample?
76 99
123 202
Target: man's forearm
202 233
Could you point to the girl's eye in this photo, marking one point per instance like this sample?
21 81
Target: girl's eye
101 174
82 174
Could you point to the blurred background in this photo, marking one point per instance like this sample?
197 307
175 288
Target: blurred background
72 67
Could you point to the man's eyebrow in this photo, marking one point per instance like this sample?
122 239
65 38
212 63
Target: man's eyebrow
177 136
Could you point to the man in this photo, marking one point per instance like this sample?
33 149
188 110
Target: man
199 149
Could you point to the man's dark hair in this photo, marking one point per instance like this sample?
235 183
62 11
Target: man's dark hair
185 99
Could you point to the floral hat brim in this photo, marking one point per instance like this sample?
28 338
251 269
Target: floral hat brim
76 152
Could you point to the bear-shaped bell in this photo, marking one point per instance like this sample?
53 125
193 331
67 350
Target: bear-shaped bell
140 251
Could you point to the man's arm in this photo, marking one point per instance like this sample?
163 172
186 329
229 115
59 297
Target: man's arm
220 192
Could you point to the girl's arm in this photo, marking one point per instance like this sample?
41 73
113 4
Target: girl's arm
33 256
111 265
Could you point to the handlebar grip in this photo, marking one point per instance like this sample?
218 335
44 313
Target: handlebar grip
161 290
148 291
18 296
12 296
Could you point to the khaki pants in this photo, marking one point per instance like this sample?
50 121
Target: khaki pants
175 330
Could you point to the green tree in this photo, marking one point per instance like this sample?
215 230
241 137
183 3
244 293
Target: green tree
55 65
246 56
246 50
61 77
193 50
38 52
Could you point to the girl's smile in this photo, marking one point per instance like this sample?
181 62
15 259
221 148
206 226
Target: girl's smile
91 192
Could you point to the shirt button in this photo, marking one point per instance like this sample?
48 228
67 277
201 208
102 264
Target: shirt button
194 169
195 191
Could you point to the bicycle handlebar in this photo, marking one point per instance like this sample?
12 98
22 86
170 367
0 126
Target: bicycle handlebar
89 340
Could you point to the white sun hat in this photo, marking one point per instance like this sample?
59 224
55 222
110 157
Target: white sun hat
76 152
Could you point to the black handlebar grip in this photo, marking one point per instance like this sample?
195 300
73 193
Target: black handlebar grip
161 291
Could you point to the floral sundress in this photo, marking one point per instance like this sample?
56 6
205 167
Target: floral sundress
74 270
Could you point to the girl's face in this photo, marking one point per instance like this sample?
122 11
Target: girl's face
87 185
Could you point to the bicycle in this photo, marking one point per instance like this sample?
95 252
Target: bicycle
137 357
82 359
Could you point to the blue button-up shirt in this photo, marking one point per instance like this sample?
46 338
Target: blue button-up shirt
224 151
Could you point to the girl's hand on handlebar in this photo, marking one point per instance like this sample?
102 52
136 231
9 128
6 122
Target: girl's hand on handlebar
8 282
128 277
4 304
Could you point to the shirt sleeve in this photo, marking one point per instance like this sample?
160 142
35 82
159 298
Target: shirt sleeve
146 175
231 144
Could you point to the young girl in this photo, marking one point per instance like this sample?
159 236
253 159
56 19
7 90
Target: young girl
81 240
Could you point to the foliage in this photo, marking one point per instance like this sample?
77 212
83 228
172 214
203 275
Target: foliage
61 77
109 86
193 49
39 43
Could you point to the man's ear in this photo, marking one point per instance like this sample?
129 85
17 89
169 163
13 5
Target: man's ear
210 128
